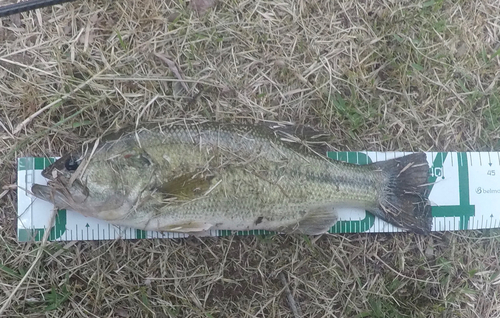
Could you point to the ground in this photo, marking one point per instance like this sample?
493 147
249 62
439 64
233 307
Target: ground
376 74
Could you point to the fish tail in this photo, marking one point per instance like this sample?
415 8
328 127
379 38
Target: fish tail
404 202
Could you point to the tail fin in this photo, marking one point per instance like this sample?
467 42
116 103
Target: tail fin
405 202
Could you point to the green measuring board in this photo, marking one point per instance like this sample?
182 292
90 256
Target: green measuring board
465 194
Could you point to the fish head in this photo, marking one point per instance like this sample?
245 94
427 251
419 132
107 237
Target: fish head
61 190
97 186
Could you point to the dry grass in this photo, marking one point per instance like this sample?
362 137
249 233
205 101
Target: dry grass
376 74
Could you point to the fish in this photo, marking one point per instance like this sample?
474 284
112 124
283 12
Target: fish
194 178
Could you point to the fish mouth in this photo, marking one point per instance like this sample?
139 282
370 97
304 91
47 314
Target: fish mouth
53 171
55 175
42 192
54 193
48 193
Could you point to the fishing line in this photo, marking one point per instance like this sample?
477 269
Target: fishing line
29 5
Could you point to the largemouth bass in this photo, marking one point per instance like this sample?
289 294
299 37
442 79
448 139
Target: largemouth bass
201 177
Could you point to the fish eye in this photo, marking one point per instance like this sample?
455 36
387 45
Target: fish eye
71 164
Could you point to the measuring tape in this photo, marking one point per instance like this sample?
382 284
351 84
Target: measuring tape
465 195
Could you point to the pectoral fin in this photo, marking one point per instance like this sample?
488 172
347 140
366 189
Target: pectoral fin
316 221
187 186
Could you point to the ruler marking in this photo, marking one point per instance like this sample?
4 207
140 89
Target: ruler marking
30 177
442 165
432 158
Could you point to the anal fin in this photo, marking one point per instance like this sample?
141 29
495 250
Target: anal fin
317 220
